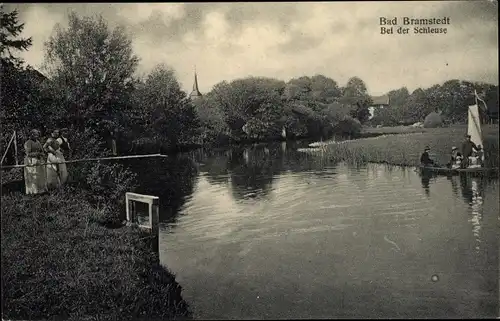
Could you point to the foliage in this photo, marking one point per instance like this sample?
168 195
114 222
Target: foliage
91 68
355 94
213 128
18 84
10 31
433 120
108 183
163 110
251 107
348 126
317 88
451 99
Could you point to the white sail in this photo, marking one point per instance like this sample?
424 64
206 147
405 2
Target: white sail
474 126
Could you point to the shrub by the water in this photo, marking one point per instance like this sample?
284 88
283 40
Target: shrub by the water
348 126
107 184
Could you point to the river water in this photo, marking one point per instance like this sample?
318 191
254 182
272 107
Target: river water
270 232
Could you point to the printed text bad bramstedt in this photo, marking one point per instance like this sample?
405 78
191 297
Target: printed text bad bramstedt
421 26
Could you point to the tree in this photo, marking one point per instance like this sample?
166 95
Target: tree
356 95
19 88
167 116
417 105
252 106
213 127
398 110
10 31
324 89
92 68
317 88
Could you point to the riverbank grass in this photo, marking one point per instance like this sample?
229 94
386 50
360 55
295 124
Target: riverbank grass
58 261
405 149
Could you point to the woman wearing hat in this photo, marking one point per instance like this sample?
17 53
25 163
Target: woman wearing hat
425 159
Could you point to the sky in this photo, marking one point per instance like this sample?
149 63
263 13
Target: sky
227 41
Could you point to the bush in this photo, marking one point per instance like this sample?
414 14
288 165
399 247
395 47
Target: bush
433 120
348 126
107 184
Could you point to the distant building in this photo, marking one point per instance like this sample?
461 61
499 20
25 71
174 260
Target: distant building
378 102
195 94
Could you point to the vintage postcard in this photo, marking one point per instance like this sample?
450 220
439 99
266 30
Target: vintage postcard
250 160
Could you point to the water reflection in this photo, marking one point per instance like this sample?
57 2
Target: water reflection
426 180
472 193
250 170
172 179
477 210
279 230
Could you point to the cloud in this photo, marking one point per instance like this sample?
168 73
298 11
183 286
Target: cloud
288 40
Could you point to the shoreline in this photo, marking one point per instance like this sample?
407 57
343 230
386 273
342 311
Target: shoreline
404 149
59 260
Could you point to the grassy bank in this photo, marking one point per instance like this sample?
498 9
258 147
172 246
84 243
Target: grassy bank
393 130
58 262
405 148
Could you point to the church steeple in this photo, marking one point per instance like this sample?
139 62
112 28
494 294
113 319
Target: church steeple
196 92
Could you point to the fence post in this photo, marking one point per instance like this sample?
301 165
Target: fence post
15 147
154 213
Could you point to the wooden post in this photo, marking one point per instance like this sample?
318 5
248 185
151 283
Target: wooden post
15 147
154 218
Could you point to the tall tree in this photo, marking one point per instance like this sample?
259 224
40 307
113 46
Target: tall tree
252 105
417 105
10 40
19 88
167 115
92 68
397 111
317 88
356 95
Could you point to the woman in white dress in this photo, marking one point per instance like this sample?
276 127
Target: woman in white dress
35 177
57 174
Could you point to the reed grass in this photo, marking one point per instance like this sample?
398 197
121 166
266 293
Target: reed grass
58 262
405 149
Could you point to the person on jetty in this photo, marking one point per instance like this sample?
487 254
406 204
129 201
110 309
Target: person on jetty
425 159
467 147
35 177
458 161
480 155
57 174
473 161
63 142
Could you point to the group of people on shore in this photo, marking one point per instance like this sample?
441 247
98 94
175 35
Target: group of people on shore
471 156
46 167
